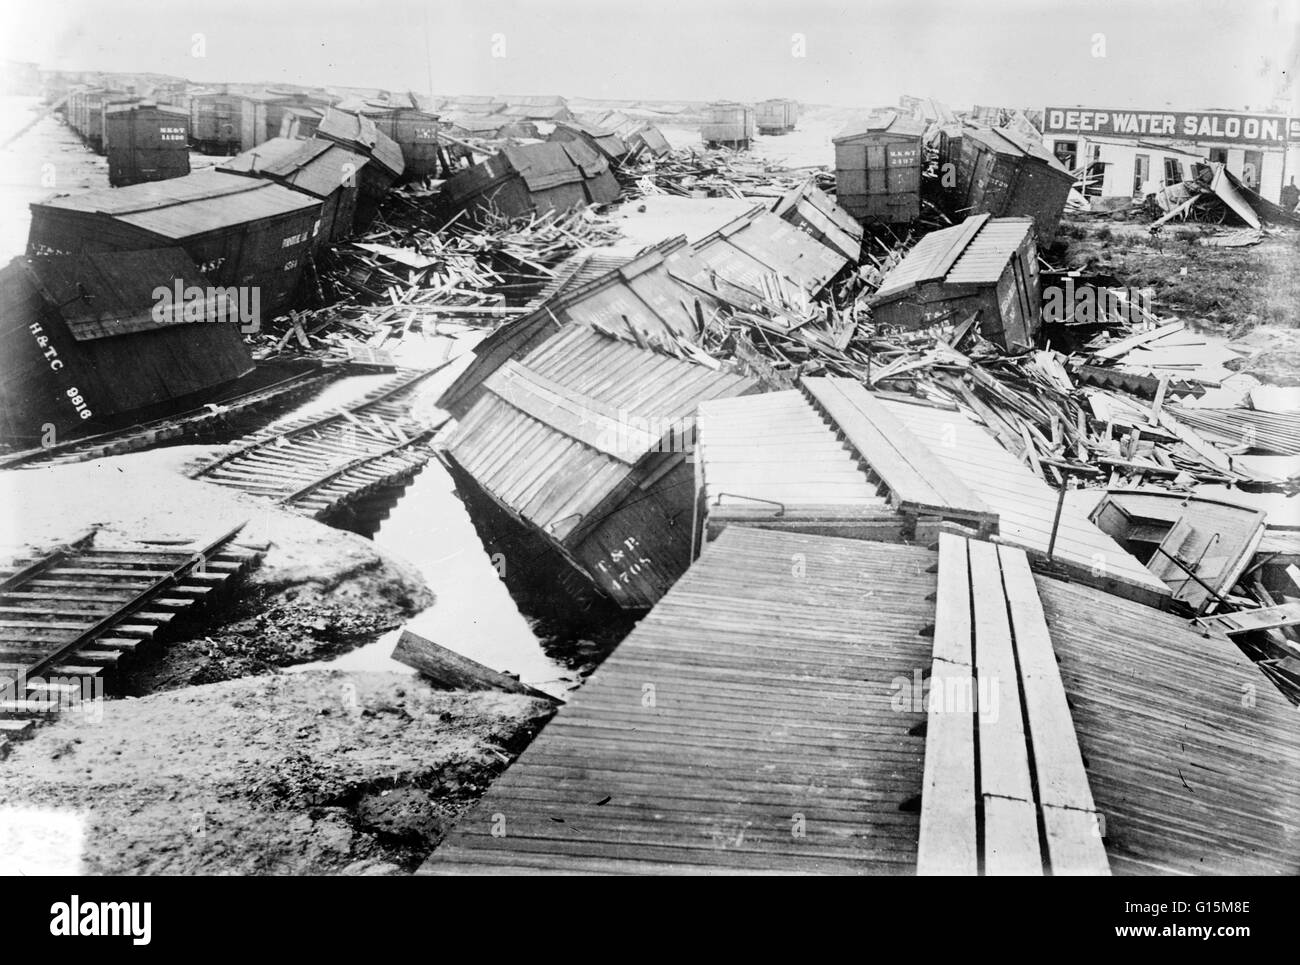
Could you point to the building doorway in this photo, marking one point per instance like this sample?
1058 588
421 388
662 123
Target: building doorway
1141 172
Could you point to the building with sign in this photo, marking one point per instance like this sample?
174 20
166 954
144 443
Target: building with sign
1130 153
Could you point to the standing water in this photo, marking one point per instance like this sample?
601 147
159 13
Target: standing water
473 613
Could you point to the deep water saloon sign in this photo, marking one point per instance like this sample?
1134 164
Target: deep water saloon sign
1184 126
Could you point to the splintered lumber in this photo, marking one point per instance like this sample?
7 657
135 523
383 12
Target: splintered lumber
1248 621
449 669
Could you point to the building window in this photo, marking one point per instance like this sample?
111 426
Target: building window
1173 171
1141 171
1067 152
1218 155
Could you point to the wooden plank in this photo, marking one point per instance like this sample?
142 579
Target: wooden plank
1265 618
952 615
1074 842
1004 761
1011 837
453 671
948 843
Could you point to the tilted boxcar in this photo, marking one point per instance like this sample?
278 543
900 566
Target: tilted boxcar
728 124
525 178
777 116
878 168
319 168
385 167
215 118
610 145
415 132
85 341
239 231
146 142
985 264
1004 173
586 444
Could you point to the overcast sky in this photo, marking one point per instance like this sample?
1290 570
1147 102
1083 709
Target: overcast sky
1157 53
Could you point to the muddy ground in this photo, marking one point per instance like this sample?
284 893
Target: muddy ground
219 764
319 772
1250 296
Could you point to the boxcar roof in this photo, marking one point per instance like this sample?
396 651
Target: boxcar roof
881 122
315 165
974 252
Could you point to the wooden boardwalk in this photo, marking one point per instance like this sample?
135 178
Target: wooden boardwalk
750 724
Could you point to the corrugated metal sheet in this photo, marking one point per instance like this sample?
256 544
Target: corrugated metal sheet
102 294
315 166
775 698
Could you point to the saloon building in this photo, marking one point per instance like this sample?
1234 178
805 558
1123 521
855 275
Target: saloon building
1129 150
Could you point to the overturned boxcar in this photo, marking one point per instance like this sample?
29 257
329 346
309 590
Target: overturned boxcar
984 265
524 178
1004 173
87 339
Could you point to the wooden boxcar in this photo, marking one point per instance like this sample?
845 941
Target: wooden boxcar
878 168
1004 173
586 442
146 142
316 167
525 178
215 119
360 135
238 230
610 145
985 264
300 122
82 345
728 124
415 132
777 116
815 213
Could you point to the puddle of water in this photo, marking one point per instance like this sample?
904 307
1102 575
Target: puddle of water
474 614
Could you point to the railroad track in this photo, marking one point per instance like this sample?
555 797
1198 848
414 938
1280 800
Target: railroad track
71 618
195 422
316 464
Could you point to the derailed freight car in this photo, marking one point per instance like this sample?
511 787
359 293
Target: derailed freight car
385 166
985 265
728 124
146 142
777 116
612 147
215 121
316 167
415 132
239 231
88 338
525 178
1004 173
585 443
878 168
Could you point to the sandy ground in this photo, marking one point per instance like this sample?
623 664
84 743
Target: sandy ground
310 773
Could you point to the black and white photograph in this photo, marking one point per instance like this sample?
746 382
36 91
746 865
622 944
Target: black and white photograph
717 438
